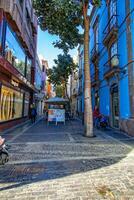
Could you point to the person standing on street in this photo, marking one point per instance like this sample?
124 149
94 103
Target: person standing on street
96 116
33 113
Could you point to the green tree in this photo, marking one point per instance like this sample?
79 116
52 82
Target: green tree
59 90
60 73
63 18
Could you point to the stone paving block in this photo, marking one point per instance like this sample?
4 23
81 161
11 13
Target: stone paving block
47 164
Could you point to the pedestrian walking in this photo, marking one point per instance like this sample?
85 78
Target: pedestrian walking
96 116
33 113
45 111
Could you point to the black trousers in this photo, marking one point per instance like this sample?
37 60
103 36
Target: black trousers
33 118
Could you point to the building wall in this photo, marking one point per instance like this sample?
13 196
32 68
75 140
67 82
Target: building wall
80 98
122 78
18 36
38 74
74 93
39 84
132 26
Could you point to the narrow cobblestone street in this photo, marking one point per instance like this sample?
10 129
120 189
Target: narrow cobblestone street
57 162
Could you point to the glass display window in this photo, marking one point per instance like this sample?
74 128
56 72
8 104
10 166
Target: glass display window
11 104
14 52
28 70
26 104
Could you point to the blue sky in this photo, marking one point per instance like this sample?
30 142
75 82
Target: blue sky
46 49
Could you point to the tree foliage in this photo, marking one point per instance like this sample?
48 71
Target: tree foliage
59 90
63 18
63 68
60 17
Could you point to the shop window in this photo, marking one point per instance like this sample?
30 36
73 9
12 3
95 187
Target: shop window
26 104
28 71
11 104
13 51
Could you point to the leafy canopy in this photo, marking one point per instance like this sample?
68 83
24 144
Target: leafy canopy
60 73
63 18
59 90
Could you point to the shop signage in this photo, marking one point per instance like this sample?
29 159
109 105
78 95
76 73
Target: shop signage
56 115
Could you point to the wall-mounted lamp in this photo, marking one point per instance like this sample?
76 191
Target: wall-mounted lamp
115 61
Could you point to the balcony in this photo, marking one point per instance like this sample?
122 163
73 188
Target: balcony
95 52
111 30
111 67
95 79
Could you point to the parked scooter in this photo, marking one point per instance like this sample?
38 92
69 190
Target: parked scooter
4 155
103 122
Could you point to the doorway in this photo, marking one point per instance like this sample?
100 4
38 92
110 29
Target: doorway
115 105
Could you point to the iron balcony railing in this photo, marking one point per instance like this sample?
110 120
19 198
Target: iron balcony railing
111 64
112 23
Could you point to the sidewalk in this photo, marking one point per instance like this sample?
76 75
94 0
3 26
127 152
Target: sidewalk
15 130
51 162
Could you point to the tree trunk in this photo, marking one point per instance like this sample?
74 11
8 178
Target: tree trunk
88 118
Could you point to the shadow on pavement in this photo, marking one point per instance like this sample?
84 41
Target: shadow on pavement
22 174
16 175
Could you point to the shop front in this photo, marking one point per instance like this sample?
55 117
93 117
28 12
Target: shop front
16 76
15 99
11 104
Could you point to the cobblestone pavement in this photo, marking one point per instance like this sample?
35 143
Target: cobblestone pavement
58 163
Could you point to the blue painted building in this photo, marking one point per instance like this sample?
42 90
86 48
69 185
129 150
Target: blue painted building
80 98
112 62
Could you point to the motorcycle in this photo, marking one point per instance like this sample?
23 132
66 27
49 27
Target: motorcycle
4 155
